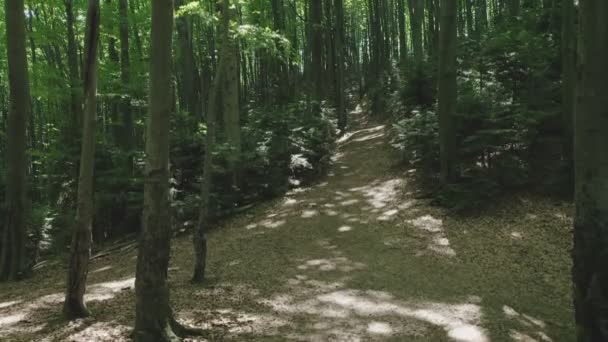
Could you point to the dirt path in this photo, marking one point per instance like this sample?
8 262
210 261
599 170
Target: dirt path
353 258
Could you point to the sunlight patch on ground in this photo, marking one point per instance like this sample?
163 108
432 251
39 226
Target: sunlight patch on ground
99 332
369 137
101 269
309 213
8 304
108 290
345 229
379 328
534 327
341 264
439 243
380 194
460 321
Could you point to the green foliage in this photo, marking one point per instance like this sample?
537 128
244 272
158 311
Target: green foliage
282 146
507 121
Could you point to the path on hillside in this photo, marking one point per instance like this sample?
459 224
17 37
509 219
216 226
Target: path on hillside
355 257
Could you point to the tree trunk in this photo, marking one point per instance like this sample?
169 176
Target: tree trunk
74 306
186 65
316 43
416 14
153 321
447 87
590 252
127 136
568 78
200 235
402 33
230 94
75 90
339 54
13 259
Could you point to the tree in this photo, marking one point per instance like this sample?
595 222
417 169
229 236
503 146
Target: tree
127 142
447 86
80 250
13 258
590 251
230 93
416 8
154 318
339 47
568 47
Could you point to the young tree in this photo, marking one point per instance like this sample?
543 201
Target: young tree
590 252
13 259
447 86
74 305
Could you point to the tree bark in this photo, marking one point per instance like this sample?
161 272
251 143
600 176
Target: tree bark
74 305
447 87
153 321
590 252
339 54
568 48
230 94
127 136
13 259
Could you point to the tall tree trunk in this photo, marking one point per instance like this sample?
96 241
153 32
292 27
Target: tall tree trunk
316 43
80 251
127 135
230 94
402 33
416 13
339 47
481 17
470 23
186 64
75 82
153 321
13 259
590 252
205 215
447 86
568 47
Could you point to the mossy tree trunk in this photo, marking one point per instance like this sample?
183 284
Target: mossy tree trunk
74 305
590 253
12 258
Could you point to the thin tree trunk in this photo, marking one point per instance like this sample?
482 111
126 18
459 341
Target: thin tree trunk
127 137
447 87
74 305
568 77
230 95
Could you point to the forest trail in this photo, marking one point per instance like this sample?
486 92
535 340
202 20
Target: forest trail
355 257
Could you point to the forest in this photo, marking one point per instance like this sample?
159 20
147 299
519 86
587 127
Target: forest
304 170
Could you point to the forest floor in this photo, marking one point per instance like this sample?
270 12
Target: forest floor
355 257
